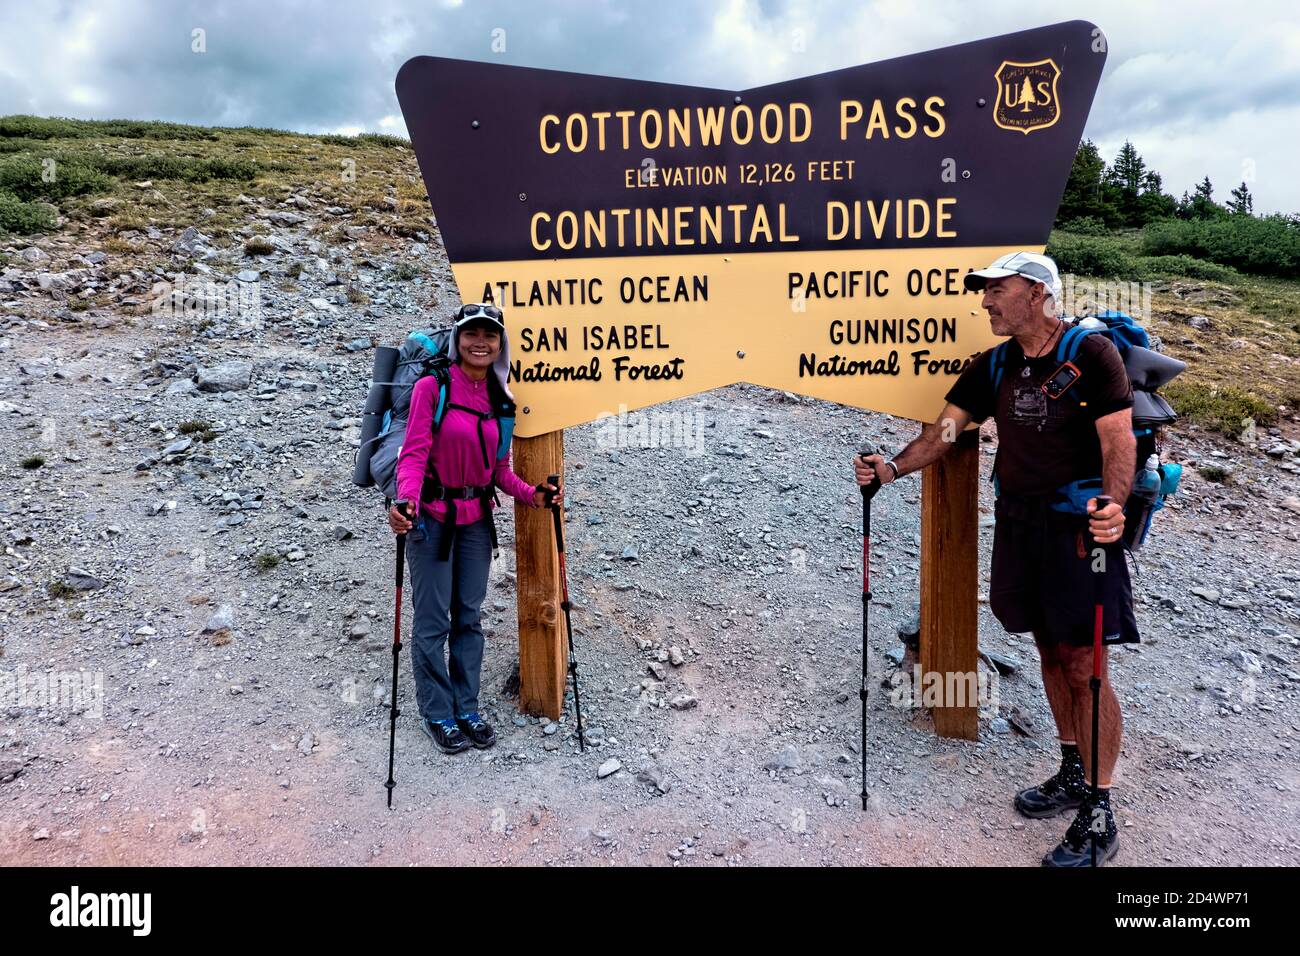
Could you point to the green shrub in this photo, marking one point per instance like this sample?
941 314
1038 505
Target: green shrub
369 139
382 139
1100 256
259 131
199 428
26 178
54 127
1156 266
1264 246
1220 407
18 145
162 166
32 462
1085 226
267 560
58 589
1215 473
23 218
258 247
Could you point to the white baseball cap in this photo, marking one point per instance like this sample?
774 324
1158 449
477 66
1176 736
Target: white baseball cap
1031 265
479 312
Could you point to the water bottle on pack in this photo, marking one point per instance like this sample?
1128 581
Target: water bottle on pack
1141 505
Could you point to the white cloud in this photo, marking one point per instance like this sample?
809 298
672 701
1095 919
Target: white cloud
1198 87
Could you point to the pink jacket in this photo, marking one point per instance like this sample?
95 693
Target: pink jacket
454 455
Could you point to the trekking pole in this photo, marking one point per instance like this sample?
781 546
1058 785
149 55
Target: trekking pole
868 492
1099 600
397 647
564 603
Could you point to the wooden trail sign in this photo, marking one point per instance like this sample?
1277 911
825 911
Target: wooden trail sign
649 241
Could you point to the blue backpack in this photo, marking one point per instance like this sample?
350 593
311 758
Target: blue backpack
1147 371
395 375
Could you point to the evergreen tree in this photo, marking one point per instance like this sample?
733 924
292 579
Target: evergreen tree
1083 190
1129 170
1241 203
1202 204
1154 203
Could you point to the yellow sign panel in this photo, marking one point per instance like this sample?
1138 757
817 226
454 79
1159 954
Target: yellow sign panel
887 330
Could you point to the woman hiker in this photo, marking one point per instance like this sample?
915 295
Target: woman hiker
448 479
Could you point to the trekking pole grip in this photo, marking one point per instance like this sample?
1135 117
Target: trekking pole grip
1103 501
549 495
870 488
403 510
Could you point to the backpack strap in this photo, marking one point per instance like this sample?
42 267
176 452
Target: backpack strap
504 410
443 377
1068 348
997 363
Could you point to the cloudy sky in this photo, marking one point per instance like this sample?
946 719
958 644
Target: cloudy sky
1201 88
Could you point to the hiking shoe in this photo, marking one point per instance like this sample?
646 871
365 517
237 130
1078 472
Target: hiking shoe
1063 791
478 730
445 736
1048 799
1075 850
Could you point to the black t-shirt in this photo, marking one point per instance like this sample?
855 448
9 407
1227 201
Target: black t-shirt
1044 443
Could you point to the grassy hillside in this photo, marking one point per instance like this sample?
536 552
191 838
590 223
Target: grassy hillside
110 181
1238 333
124 176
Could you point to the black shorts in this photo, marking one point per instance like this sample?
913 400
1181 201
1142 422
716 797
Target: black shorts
1042 578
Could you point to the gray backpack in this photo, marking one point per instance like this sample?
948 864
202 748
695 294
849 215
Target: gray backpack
383 422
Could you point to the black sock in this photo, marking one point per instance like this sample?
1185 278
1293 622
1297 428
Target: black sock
1071 774
1081 829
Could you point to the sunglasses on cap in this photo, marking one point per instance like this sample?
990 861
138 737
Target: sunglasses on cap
478 310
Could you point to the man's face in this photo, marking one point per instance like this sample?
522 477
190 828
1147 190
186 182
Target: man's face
1010 302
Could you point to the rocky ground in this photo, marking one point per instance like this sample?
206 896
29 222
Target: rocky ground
179 527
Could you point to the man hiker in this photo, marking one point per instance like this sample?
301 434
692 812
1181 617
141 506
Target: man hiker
1047 531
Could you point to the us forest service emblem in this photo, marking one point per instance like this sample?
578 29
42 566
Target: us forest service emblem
1027 95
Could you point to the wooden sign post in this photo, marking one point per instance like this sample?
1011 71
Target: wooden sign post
543 647
949 576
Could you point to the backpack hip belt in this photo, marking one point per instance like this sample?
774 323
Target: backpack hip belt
434 490
1070 498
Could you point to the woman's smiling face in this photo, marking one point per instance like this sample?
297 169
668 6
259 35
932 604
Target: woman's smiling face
479 345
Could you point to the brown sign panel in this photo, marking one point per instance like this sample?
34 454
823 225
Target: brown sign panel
649 241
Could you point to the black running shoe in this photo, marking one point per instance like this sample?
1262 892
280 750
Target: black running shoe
1049 798
446 738
478 730
1076 849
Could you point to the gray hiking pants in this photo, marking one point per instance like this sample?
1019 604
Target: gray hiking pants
447 635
